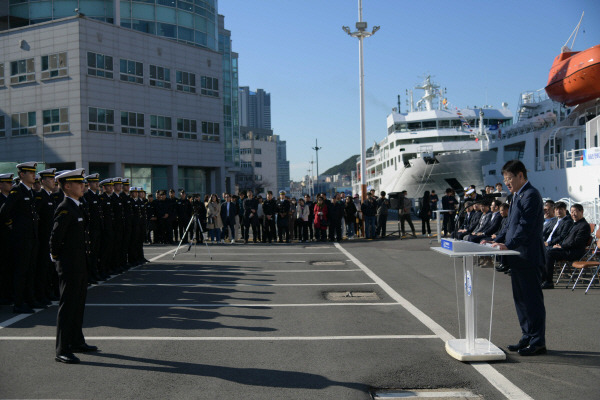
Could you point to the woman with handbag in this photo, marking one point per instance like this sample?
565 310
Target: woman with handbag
214 222
321 222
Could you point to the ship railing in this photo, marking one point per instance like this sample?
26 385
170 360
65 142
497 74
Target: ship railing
572 156
591 208
550 162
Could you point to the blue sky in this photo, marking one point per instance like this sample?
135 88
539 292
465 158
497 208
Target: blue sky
483 52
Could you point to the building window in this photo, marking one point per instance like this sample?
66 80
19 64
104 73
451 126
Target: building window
2 126
101 120
23 124
56 120
132 71
54 65
2 75
246 164
258 164
210 131
100 65
210 86
257 151
258 177
186 129
22 71
160 126
186 81
245 151
160 77
132 123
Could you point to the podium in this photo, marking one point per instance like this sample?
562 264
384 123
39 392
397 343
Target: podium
438 221
471 348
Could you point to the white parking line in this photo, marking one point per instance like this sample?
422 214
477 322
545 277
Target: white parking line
499 381
236 284
239 305
248 271
263 253
162 255
228 338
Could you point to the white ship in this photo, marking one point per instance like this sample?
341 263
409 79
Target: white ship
557 144
433 146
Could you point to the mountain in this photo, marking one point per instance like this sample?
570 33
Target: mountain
345 168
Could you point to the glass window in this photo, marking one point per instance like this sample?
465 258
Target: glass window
185 34
2 126
210 131
160 77
186 81
56 120
40 10
258 164
429 125
101 120
245 151
54 65
257 151
186 129
2 75
166 30
64 8
193 180
143 26
246 164
210 86
160 126
23 124
132 123
22 71
100 65
143 11
131 71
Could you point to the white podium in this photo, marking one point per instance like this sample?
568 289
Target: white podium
438 221
471 348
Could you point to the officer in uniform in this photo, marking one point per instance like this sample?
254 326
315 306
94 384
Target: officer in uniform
68 251
119 225
250 217
6 276
95 226
107 260
136 216
283 210
45 209
127 221
269 209
19 208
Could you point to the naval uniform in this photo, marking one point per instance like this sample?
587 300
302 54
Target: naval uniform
6 275
94 208
44 267
106 245
283 211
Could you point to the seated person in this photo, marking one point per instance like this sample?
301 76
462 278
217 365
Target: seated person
491 226
471 220
561 226
549 217
571 248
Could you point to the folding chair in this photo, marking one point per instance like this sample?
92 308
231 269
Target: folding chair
582 266
591 248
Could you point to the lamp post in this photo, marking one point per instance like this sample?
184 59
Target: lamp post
316 149
362 33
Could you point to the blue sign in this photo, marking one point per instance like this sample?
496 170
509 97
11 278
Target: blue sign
468 284
447 244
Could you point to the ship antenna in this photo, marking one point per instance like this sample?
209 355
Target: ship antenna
566 48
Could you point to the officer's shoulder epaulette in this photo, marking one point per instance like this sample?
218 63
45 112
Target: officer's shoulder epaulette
63 212
38 197
13 191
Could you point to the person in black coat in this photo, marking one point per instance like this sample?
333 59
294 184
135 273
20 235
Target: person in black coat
68 251
311 216
335 213
524 234
19 207
561 226
425 213
571 248
184 213
449 202
350 211
283 211
6 273
228 212
95 227
269 209
45 209
250 217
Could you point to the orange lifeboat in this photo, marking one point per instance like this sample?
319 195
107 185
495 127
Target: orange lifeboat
575 77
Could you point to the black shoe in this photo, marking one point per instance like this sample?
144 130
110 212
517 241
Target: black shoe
508 271
502 268
37 304
84 348
518 346
532 350
67 358
23 309
245 241
547 285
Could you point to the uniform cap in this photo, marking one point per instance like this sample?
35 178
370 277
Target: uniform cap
6 177
75 175
470 191
282 192
60 172
93 177
108 181
27 166
48 173
37 178
117 180
125 181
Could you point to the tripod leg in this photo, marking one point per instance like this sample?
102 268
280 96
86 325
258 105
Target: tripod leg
181 241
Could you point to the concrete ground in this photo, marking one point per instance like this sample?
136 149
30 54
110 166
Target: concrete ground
254 323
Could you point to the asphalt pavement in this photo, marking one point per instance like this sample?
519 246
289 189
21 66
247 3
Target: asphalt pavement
256 322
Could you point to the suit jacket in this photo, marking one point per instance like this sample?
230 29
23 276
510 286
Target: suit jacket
233 211
561 231
67 241
474 221
578 236
548 226
483 222
493 224
524 231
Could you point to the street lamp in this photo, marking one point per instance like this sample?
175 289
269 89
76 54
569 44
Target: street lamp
316 149
362 33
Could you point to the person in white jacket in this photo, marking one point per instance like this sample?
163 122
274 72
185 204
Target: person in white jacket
302 213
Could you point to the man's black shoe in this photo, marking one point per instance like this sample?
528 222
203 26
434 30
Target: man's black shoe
67 358
502 268
84 348
532 350
508 271
518 346
547 285
23 309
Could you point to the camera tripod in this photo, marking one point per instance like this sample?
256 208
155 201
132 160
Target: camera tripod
197 226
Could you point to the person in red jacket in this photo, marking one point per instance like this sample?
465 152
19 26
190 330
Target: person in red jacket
321 222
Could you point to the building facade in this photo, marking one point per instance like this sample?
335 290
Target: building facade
82 93
258 166
255 108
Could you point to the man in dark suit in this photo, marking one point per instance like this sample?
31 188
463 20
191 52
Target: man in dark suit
228 212
492 225
561 226
524 234
68 251
571 248
549 217
250 217
449 203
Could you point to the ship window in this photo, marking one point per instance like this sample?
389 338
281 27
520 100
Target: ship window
456 123
444 123
429 125
514 151
400 127
414 125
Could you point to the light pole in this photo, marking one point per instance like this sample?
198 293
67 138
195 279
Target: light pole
316 149
311 182
362 33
